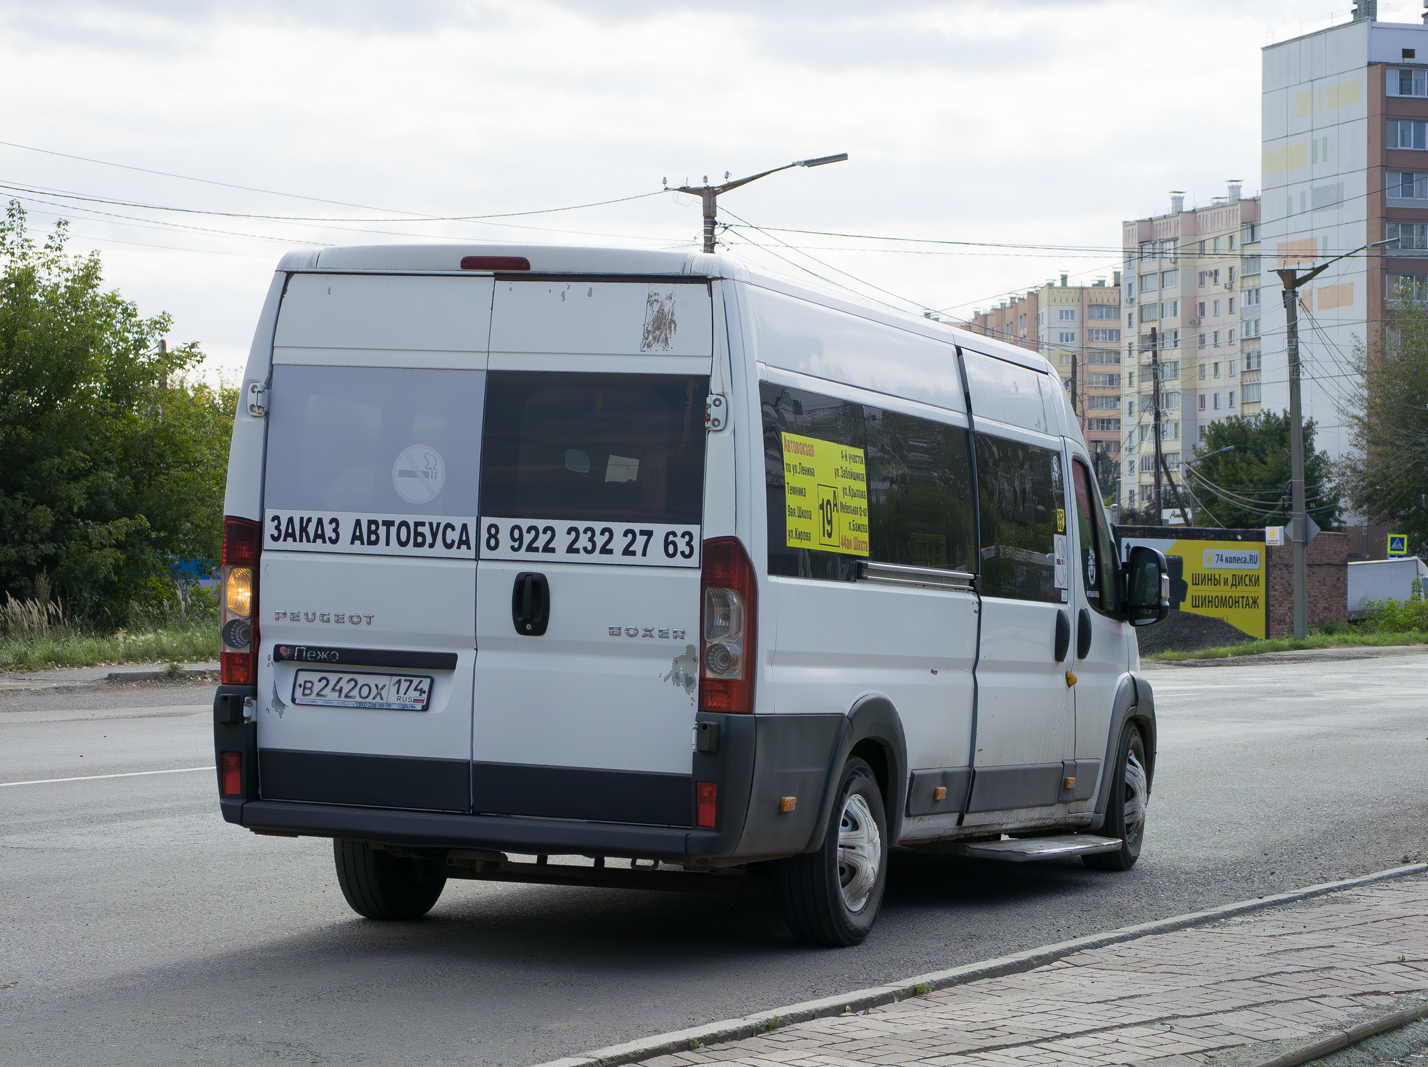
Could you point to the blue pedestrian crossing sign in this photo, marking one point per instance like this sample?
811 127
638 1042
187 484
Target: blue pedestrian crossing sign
1397 545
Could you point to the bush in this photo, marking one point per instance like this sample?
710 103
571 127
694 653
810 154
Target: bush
1398 616
114 460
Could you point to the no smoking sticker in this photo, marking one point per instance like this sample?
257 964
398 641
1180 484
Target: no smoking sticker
418 474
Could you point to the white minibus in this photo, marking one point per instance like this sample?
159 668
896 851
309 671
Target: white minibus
611 567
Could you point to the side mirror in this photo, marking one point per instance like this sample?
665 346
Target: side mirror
1147 585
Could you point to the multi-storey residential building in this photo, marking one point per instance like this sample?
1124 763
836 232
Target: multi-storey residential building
1184 292
1345 135
1078 328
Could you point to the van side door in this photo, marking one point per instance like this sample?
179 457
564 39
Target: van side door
1101 641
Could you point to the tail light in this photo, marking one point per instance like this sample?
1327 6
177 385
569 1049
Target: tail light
239 633
729 611
706 805
230 774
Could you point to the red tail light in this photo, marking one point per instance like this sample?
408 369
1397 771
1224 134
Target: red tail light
495 263
230 774
706 804
238 618
728 616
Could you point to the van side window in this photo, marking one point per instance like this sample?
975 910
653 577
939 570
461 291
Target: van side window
919 488
1097 562
1023 512
594 447
915 474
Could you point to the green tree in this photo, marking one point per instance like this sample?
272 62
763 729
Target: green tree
114 462
1386 475
1244 485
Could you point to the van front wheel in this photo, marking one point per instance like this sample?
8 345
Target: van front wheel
379 885
1125 808
831 897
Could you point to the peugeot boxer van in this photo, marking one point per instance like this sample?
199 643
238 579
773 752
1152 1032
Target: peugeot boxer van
592 566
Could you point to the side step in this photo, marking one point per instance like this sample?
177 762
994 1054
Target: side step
1026 849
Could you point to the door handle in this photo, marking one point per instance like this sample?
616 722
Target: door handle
1083 633
1063 634
530 604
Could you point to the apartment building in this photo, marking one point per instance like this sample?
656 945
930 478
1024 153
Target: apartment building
1078 328
1345 164
1188 305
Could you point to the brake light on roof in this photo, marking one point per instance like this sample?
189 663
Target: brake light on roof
728 596
238 654
495 263
230 774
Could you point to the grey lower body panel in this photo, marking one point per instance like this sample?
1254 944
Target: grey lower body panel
425 829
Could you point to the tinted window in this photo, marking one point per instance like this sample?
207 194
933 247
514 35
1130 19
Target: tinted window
608 447
1023 520
342 439
914 475
1097 562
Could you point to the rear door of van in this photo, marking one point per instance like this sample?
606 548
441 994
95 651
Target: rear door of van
591 511
368 570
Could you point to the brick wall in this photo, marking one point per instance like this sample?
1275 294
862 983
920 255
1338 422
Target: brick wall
1328 596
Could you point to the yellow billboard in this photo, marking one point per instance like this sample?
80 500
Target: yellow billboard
1213 576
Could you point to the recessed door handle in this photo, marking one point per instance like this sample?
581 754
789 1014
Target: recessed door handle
1083 633
530 604
1062 636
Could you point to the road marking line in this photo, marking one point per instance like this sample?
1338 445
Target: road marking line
96 777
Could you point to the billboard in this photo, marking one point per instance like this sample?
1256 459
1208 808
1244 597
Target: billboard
1221 574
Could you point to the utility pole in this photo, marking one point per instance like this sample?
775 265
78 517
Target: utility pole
1155 402
1292 280
709 194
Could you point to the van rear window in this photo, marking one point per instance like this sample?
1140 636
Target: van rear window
594 447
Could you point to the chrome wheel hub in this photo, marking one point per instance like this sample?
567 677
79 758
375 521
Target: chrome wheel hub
860 852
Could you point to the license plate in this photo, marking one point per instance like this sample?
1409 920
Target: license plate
350 689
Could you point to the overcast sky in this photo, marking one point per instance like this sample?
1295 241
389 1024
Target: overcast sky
1022 123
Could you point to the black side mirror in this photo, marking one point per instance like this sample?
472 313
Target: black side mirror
1147 585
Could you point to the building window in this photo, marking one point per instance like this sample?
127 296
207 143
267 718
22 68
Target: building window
1103 402
1232 335
1230 370
1232 242
1231 395
1216 243
1103 311
1250 328
1170 338
1402 81
1249 298
1066 314
1215 276
1249 265
1202 377
1251 363
1217 307
1169 368
1202 340
1249 233
1169 278
1171 401
1202 278
1201 306
1067 337
1232 305
1232 280
1104 425
1217 370
1202 433
1407 133
1170 248
1408 184
1149 281
1407 234
1250 393
1170 309
1215 338
1149 312
1405 288
1217 401
1202 401
1103 335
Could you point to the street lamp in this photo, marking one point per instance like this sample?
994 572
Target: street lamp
709 193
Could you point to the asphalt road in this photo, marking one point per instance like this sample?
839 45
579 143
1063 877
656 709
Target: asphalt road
138 928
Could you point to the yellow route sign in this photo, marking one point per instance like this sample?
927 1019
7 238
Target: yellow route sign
825 495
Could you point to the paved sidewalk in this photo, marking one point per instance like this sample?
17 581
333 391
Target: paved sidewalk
84 677
1235 992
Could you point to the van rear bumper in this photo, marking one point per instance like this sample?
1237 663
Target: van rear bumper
419 829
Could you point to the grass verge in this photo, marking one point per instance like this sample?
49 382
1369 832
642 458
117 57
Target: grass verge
1289 644
185 642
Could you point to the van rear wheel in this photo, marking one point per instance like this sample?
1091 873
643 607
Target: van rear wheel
1125 808
831 897
379 885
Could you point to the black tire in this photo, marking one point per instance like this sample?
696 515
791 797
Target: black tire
1126 805
825 896
379 885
